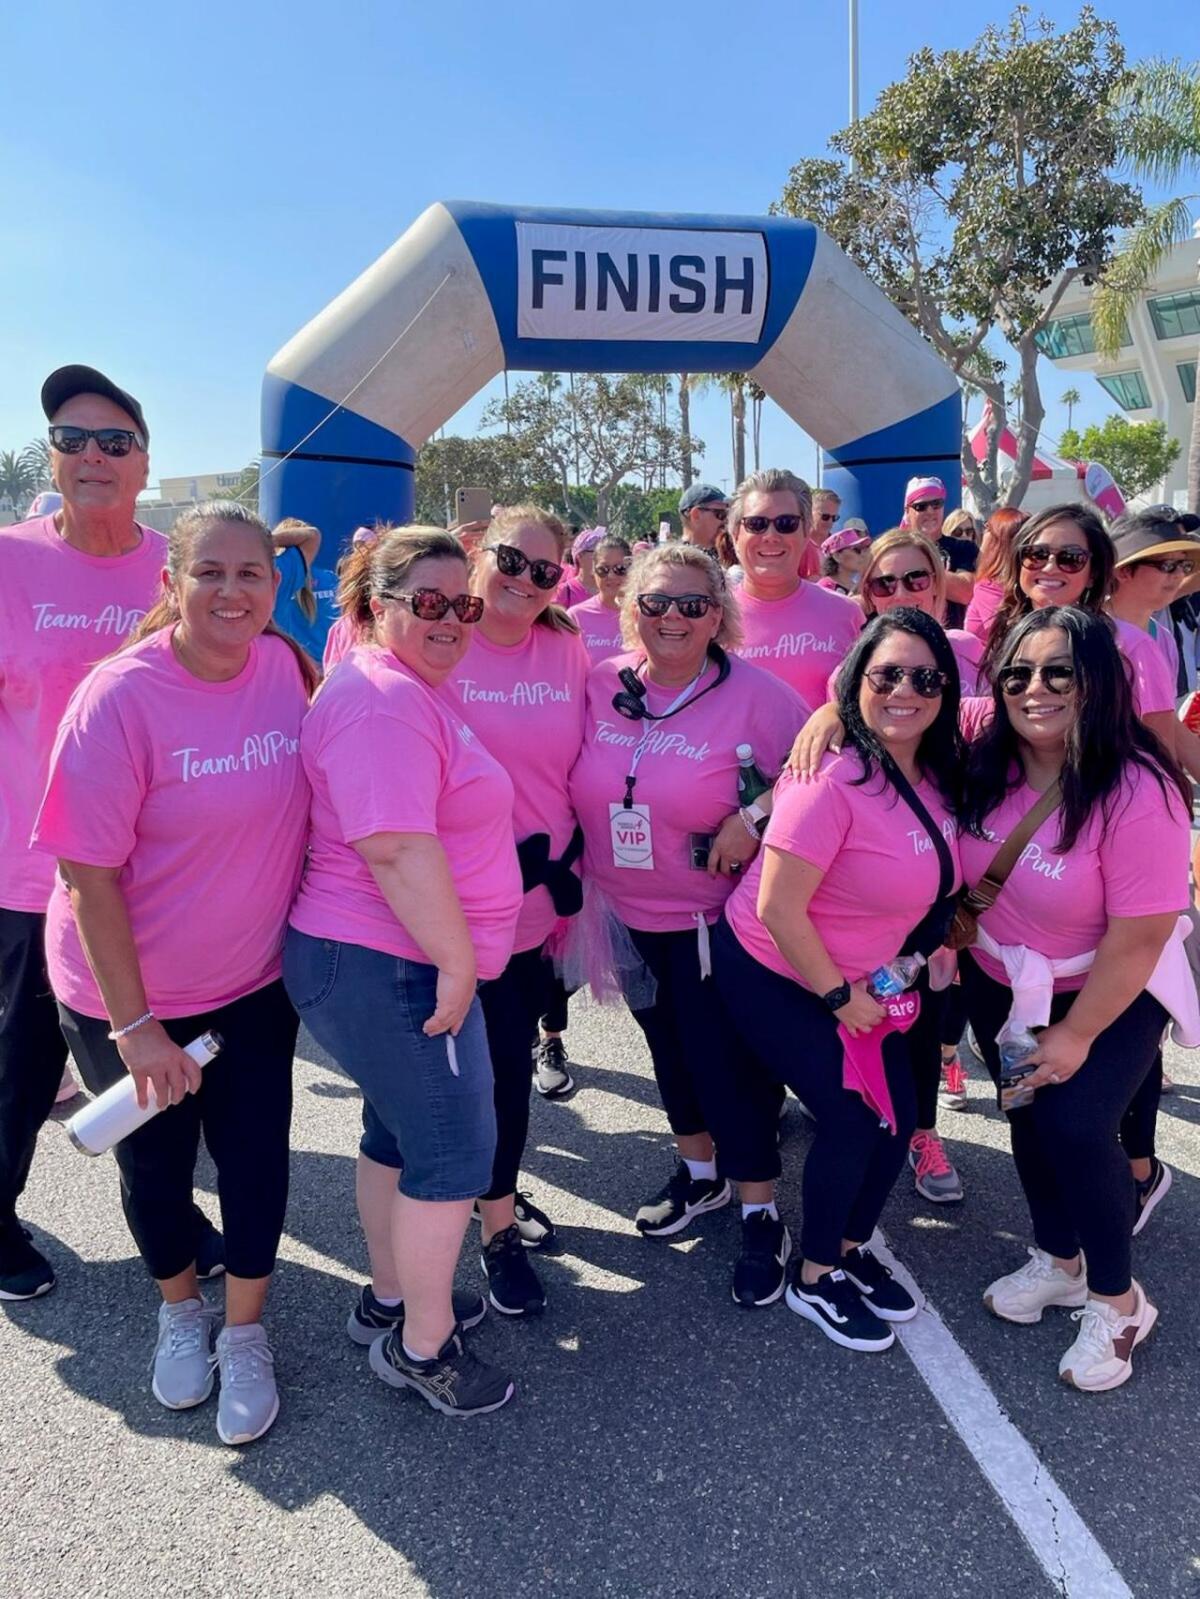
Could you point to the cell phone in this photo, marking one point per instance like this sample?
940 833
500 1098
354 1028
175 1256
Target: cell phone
664 530
699 845
473 505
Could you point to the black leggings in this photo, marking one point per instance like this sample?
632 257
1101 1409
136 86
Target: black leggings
1140 1121
554 1018
792 1038
1075 1175
32 1052
243 1104
512 1004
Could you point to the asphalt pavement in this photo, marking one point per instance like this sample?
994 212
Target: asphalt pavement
662 1441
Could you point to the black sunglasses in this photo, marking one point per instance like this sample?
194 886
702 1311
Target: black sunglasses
1071 559
885 585
827 516
612 571
512 562
781 524
1016 679
692 606
1170 565
926 505
929 681
69 440
430 605
719 511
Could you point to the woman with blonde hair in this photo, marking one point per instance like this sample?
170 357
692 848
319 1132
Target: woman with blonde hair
904 568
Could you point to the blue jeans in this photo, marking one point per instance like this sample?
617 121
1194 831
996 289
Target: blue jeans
367 1009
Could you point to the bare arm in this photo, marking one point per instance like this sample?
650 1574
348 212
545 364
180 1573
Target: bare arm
305 539
959 587
413 875
107 938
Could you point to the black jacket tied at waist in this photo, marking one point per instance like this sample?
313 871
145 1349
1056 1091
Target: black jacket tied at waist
538 870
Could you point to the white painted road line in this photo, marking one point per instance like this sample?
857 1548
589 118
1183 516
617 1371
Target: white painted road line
1061 1541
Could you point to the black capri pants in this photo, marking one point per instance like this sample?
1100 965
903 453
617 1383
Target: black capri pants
243 1106
512 1004
32 1052
1065 1147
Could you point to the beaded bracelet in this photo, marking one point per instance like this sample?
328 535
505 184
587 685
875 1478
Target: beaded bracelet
750 826
122 1032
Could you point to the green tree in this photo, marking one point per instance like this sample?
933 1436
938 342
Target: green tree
497 464
1138 454
16 480
1160 112
245 491
983 184
1071 398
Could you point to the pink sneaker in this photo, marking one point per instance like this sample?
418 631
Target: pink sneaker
68 1088
953 1092
936 1178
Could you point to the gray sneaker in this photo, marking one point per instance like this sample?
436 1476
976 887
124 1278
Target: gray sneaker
249 1399
552 1076
183 1363
933 1170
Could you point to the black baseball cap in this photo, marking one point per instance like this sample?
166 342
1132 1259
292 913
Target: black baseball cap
68 381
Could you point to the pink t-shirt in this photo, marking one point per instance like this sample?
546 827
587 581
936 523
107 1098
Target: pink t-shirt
880 866
687 776
986 599
339 641
1059 905
801 638
61 611
526 703
600 627
571 591
1152 677
196 791
385 753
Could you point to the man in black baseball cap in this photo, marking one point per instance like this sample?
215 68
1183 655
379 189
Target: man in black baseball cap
702 511
68 381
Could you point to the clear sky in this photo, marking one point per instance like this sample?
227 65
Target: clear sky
184 186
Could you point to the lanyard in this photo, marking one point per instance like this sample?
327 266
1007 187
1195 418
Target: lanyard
635 759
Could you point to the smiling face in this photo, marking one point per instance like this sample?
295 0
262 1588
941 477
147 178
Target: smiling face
771 560
226 590
899 718
610 584
92 481
899 564
430 649
1052 586
675 645
515 601
1040 717
928 521
1148 588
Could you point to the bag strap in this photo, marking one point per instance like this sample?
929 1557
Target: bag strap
983 896
915 804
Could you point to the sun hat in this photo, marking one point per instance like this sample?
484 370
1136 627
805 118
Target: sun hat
587 540
1142 535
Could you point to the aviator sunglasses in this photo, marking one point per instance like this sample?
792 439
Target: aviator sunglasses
430 605
929 681
884 586
513 562
112 441
691 606
1014 680
1071 559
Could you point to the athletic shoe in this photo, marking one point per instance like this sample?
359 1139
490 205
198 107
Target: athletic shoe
1102 1355
249 1400
1150 1193
67 1088
1026 1292
758 1277
678 1200
454 1381
551 1077
839 1310
369 1318
882 1294
25 1273
513 1287
210 1248
533 1224
935 1176
183 1357
953 1091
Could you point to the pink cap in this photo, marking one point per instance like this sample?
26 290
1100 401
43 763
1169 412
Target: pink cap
924 488
364 535
848 538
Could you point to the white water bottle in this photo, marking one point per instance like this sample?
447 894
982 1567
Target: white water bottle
115 1113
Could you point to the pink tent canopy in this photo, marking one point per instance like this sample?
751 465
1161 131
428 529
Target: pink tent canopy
1094 480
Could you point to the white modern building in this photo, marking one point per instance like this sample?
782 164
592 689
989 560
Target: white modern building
1154 375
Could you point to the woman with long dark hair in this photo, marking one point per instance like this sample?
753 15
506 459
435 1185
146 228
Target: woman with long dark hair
856 869
999 531
1074 939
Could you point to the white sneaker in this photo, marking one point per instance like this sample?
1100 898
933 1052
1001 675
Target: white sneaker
1102 1355
1026 1292
183 1359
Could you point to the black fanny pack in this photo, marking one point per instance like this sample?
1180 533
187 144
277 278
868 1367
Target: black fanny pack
539 871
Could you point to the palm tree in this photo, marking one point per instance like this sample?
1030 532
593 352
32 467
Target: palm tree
1161 141
734 385
690 383
1071 398
16 480
757 395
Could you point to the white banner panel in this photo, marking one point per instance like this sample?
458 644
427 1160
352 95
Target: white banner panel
663 284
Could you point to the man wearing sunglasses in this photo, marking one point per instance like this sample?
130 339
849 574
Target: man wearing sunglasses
702 513
925 512
72 586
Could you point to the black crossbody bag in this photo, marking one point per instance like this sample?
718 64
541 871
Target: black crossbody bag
930 932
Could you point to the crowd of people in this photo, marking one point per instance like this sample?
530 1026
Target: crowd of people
811 802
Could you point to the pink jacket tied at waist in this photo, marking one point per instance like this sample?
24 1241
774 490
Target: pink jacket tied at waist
1031 977
863 1070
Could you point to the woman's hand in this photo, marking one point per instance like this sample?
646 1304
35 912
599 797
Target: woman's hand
455 991
151 1058
1059 1055
733 848
822 732
861 1012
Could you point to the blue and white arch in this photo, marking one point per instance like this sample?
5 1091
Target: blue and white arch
473 289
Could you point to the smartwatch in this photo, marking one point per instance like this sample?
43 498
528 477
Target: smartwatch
837 997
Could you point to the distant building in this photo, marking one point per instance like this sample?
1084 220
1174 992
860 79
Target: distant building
205 486
1154 375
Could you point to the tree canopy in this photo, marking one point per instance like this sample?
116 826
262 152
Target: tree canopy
1138 454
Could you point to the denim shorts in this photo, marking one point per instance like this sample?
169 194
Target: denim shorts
366 1009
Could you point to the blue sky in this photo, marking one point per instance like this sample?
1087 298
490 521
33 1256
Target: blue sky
185 186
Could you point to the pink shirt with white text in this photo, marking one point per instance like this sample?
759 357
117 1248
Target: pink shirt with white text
600 628
801 638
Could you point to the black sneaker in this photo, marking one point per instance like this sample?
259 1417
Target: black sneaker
25 1273
758 1277
210 1248
839 1310
678 1200
369 1318
533 1224
551 1076
882 1294
513 1287
454 1381
1149 1194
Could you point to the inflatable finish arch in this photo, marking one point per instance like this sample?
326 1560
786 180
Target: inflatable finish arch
472 289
